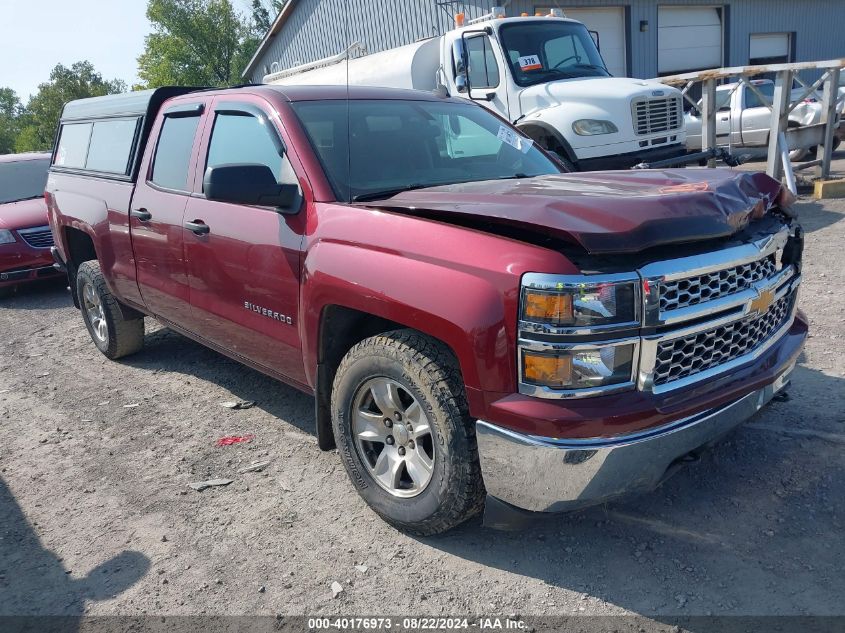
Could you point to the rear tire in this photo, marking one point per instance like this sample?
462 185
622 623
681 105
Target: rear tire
6 292
403 431
113 335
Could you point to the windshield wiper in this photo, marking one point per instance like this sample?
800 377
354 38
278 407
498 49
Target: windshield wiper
389 193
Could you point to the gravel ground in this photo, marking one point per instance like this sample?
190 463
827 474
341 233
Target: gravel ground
96 515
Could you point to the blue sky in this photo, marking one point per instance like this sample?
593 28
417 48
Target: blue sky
35 35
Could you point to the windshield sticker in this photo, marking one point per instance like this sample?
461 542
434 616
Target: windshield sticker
530 62
514 140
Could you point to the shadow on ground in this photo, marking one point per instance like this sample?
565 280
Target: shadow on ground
166 350
34 580
40 295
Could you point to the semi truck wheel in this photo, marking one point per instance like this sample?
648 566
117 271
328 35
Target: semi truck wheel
113 335
403 431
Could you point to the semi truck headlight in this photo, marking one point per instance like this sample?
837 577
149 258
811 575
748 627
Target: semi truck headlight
593 127
581 367
6 236
579 301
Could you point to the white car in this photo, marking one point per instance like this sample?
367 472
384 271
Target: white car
743 120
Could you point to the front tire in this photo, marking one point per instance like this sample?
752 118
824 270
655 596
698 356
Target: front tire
402 429
114 335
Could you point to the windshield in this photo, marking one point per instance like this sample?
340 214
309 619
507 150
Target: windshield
377 148
23 179
538 52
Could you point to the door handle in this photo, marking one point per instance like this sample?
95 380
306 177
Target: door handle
198 227
724 118
142 214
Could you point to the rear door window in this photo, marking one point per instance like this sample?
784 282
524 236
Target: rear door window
172 161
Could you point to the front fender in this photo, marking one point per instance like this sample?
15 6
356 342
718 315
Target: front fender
464 311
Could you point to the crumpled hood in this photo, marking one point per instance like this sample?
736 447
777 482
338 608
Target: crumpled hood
23 214
605 212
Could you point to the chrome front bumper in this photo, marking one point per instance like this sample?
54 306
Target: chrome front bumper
553 475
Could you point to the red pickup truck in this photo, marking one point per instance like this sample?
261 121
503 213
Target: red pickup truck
475 325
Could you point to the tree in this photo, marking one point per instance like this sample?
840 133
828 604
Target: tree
201 42
10 110
40 117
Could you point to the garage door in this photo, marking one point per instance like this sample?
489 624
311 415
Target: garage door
609 23
688 38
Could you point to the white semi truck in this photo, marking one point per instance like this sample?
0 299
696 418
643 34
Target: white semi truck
543 73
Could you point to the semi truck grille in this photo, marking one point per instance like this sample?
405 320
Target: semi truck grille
698 352
652 116
38 237
682 293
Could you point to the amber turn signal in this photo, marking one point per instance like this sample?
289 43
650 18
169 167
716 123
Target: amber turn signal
544 369
547 307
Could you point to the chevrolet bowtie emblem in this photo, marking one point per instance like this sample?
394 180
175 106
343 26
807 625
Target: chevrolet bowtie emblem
762 302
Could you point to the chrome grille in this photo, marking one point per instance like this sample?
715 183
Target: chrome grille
38 237
687 356
690 291
652 116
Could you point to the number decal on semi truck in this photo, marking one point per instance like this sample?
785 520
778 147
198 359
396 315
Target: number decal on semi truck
530 62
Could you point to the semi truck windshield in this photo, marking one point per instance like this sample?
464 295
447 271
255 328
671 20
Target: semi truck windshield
538 52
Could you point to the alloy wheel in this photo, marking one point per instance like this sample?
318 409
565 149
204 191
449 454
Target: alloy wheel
393 437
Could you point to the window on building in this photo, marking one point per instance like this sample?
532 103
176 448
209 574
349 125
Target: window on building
483 68
173 155
770 48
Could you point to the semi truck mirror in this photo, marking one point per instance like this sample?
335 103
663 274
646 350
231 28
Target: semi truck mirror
247 183
459 55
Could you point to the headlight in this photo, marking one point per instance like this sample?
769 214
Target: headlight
579 334
580 301
581 367
6 236
593 127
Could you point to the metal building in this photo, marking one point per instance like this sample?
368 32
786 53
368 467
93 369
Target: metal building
637 38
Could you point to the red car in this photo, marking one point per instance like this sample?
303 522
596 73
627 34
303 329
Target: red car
25 237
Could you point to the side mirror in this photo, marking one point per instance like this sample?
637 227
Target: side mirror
459 52
247 183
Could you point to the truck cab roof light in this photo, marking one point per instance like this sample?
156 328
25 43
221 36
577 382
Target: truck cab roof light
497 12
459 20
556 13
